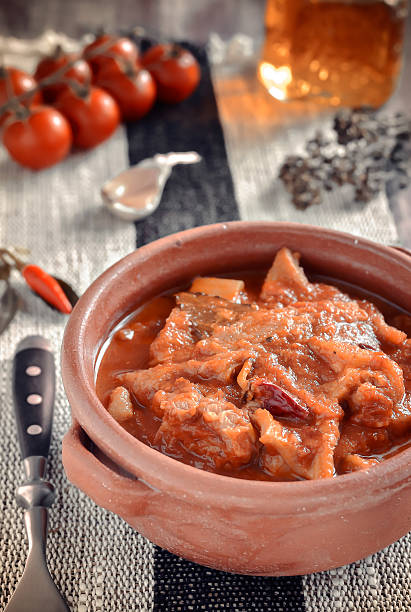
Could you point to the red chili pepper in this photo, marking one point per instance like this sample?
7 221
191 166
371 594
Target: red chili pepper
46 287
277 401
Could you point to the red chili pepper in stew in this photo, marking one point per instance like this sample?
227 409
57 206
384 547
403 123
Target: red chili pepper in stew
277 401
46 287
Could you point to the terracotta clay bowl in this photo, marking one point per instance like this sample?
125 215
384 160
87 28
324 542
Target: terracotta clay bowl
250 527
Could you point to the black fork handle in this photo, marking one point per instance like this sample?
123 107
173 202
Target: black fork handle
33 390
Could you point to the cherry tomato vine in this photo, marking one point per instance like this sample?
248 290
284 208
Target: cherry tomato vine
78 99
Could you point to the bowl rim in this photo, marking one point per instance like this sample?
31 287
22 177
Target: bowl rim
161 472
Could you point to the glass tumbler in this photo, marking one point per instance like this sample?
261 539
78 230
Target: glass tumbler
346 52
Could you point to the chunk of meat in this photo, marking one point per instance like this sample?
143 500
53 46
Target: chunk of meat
370 406
353 463
183 400
120 405
340 355
233 427
220 368
368 380
285 281
175 341
360 440
275 466
401 418
144 383
206 311
185 397
308 452
385 333
282 327
233 324
211 428
227 288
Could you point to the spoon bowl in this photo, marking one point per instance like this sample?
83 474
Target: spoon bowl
135 193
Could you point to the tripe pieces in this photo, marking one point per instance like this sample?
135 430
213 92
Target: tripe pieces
299 382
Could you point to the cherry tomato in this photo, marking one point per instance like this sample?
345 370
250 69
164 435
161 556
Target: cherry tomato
19 83
135 93
175 70
40 139
93 115
79 72
109 51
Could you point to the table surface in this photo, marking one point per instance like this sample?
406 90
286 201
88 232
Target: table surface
183 19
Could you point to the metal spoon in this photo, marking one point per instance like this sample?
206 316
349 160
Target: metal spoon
34 381
136 193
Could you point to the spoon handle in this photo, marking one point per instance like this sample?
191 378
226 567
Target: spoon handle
172 159
33 388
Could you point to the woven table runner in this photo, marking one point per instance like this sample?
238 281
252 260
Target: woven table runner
98 562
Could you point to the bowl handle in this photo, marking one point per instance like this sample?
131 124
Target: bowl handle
118 492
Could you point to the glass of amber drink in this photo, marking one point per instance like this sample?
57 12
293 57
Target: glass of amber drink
346 52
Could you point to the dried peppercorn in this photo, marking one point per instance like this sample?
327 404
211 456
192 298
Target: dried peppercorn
370 152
